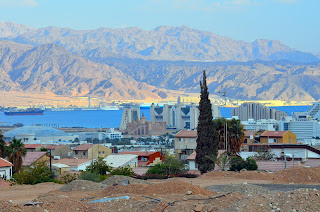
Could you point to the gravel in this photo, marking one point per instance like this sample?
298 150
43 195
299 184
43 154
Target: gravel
82 185
239 188
116 178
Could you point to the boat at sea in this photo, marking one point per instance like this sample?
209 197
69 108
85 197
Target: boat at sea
19 112
109 108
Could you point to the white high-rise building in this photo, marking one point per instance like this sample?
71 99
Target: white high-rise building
179 116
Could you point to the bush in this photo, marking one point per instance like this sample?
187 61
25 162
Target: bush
264 156
91 176
38 173
171 166
99 166
125 170
251 164
68 178
237 164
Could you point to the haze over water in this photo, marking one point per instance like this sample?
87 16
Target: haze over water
99 118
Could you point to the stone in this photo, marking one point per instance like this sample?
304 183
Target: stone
189 193
198 208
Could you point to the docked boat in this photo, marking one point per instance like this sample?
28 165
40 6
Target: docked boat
28 111
109 108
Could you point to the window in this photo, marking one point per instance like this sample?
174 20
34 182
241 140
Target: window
245 141
102 152
181 139
76 152
84 153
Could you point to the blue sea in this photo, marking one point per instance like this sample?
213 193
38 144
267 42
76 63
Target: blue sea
99 118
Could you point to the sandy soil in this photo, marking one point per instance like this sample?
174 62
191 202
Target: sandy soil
25 193
235 193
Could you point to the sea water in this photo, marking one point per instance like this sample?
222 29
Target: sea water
99 118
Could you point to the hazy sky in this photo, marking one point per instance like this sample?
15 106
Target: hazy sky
294 22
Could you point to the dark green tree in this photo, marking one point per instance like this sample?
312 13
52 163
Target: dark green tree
207 140
16 151
2 146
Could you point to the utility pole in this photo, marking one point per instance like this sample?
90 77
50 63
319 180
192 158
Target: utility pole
51 165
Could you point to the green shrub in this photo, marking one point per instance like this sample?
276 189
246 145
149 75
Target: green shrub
99 166
156 169
251 164
91 176
237 164
171 166
125 170
68 178
37 173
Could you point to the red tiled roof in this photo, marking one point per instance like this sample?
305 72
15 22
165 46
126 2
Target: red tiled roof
31 146
71 161
5 163
277 134
194 154
247 133
32 157
139 153
186 134
83 147
53 146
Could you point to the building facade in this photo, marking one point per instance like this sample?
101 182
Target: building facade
256 111
185 142
179 116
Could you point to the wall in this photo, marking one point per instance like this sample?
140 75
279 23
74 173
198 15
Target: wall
192 165
185 143
6 171
99 151
62 151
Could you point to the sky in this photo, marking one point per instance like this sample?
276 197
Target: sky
296 23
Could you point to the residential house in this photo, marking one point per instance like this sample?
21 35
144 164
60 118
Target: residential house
145 158
192 159
297 151
120 160
282 137
85 151
33 157
74 163
60 151
185 142
5 169
33 147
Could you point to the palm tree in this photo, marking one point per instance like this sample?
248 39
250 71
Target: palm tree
235 135
16 151
2 146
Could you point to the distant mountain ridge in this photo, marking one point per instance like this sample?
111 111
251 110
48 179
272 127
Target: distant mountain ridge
131 63
51 68
161 43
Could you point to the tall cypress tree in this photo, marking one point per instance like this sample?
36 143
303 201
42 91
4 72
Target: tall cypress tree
207 140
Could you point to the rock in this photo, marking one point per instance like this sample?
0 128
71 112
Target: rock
198 208
189 193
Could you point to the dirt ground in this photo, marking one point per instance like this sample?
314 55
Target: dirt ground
292 190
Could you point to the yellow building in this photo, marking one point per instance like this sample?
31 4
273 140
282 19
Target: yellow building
89 151
280 137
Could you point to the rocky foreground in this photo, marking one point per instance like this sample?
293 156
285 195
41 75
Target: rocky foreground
229 191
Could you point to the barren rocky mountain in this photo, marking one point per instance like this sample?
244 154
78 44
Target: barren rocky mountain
51 68
132 63
161 43
255 80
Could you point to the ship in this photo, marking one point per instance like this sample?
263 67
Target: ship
109 108
28 111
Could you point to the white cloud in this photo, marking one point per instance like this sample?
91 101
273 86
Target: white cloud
18 3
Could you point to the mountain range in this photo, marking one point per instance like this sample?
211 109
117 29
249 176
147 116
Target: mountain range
132 63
